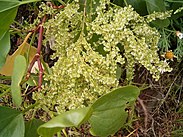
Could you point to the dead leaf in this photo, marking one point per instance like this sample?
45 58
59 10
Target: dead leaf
7 69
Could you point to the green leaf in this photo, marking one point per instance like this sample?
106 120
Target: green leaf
8 10
108 122
18 73
4 47
119 2
158 6
12 123
106 115
109 113
8 4
31 127
67 119
139 6
117 98
161 23
155 5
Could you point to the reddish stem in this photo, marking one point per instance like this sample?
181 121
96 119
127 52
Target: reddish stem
40 73
31 65
40 39
54 6
37 56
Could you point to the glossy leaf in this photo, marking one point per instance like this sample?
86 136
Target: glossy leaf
158 6
12 123
155 5
67 119
106 115
10 4
7 69
139 6
109 113
8 10
18 73
108 122
4 47
31 127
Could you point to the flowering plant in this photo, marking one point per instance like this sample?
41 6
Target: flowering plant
89 42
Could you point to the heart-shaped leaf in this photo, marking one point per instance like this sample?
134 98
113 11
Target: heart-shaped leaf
31 127
67 119
12 123
109 113
139 6
18 73
109 122
106 115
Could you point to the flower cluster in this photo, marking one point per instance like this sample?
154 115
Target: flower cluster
178 10
88 52
158 15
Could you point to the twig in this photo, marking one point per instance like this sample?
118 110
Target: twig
132 132
64 132
169 90
145 115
